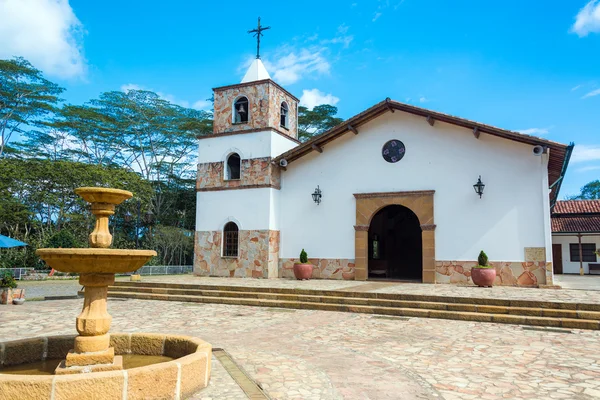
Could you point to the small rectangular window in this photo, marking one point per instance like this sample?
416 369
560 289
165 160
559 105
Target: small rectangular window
588 251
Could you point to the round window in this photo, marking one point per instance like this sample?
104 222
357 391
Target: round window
393 151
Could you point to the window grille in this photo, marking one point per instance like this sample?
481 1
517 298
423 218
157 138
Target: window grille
231 236
588 251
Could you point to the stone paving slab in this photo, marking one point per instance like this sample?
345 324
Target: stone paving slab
497 292
308 354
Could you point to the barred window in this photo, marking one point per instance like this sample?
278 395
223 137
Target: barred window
588 251
230 245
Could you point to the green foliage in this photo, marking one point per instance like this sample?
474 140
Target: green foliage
173 245
63 239
49 213
482 260
26 99
590 191
303 257
8 280
316 121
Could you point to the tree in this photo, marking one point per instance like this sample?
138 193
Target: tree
316 121
590 191
26 98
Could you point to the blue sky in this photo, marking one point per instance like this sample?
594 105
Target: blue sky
522 65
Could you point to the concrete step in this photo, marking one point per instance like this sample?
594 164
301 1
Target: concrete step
480 316
359 301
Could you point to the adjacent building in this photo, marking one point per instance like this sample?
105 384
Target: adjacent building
576 237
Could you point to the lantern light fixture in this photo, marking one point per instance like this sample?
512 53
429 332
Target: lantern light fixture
479 187
317 195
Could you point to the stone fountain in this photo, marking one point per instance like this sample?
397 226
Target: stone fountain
96 267
94 357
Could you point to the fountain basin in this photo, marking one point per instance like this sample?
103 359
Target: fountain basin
187 373
95 260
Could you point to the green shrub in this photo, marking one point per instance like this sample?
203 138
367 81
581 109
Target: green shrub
482 259
303 257
8 280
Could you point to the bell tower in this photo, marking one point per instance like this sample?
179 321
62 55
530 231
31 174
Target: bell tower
237 227
257 103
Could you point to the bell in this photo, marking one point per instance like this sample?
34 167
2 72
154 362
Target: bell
241 109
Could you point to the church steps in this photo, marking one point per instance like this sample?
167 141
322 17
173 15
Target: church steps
530 311
252 291
537 315
569 323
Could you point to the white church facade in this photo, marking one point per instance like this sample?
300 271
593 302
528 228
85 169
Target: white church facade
388 194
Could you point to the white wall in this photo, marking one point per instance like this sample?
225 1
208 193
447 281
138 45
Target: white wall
280 144
570 267
251 209
248 145
445 158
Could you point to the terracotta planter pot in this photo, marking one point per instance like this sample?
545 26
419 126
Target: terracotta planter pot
303 271
6 296
483 277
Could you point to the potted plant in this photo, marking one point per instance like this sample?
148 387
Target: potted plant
303 270
483 274
7 284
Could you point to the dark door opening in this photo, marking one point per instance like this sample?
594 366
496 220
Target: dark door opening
395 245
557 258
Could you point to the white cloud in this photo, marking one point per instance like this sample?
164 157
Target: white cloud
292 65
341 37
376 16
314 97
202 105
423 99
589 168
198 105
575 88
588 19
592 94
45 32
583 153
534 131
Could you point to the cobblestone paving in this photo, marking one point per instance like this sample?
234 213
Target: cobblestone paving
497 292
221 386
309 354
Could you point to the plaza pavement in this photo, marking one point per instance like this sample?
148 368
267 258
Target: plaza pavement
308 354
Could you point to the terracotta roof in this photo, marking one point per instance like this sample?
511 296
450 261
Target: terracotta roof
577 207
557 164
589 224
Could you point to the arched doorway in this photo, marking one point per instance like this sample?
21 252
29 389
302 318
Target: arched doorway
395 245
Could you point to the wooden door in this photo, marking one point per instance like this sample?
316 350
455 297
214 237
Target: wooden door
557 258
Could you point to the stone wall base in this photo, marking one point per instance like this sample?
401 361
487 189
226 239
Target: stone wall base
508 273
325 268
258 255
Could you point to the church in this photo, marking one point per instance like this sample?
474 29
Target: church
396 192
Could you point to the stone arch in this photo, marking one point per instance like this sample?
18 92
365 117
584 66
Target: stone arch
419 202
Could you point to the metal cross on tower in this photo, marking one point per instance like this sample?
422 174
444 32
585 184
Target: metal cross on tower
257 34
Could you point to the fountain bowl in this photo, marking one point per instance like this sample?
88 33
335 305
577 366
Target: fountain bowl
95 260
187 373
103 195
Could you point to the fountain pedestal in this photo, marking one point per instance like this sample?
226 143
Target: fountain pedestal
92 351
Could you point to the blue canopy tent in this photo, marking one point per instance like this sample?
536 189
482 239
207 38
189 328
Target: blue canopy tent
6 242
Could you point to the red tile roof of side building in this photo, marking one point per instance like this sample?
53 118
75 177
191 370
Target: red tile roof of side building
577 207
